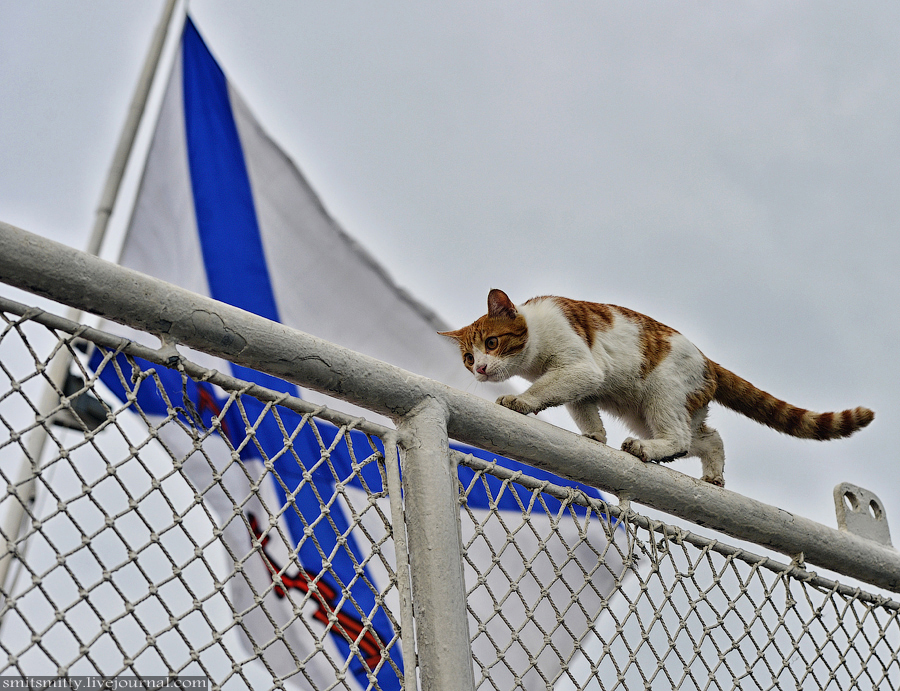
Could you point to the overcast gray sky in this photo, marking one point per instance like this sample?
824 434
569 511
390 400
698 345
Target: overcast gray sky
730 169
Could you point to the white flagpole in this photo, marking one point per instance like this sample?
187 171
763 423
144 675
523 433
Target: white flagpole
129 131
11 522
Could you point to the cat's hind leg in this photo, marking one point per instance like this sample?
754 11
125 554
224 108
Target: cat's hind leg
671 435
587 417
707 444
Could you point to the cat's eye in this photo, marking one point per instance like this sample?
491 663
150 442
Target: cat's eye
491 343
469 359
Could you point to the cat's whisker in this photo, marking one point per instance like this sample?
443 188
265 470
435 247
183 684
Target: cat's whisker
505 371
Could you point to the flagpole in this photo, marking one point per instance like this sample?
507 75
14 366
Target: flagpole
129 131
11 522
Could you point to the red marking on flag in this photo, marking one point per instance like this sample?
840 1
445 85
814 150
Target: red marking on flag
348 625
207 402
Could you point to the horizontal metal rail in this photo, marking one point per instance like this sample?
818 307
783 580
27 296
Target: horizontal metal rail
71 277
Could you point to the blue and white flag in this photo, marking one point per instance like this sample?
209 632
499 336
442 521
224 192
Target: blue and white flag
222 211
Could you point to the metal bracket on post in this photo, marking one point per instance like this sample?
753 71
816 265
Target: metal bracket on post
860 512
430 494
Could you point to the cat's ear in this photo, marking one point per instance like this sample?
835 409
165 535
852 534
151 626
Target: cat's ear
456 335
499 305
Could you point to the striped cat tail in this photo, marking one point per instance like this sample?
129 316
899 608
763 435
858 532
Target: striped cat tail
741 396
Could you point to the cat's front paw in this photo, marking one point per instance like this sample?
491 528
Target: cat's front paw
596 436
517 403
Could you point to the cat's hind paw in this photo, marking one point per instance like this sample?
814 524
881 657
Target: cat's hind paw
635 448
718 481
652 450
517 403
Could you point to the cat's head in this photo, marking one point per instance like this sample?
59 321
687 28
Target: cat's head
490 345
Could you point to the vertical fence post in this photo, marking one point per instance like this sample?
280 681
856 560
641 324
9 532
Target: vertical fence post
435 551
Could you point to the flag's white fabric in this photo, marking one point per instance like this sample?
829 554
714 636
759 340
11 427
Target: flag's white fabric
323 282
222 211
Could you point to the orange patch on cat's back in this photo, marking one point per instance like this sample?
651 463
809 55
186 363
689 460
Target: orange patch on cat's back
655 338
585 318
588 318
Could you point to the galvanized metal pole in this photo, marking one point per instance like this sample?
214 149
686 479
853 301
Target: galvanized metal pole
401 545
435 550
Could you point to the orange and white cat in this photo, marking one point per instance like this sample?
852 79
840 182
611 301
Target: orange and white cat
592 357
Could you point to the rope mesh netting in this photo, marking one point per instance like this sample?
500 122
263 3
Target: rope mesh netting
180 521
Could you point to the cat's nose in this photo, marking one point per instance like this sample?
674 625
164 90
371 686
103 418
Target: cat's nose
481 369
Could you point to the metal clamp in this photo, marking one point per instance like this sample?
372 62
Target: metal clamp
860 512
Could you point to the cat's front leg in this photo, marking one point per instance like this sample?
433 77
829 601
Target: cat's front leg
558 386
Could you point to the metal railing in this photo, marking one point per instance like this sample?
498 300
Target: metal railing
171 537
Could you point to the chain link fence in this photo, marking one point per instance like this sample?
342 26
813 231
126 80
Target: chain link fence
181 521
